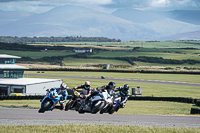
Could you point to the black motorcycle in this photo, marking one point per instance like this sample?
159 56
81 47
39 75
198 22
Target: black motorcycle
75 102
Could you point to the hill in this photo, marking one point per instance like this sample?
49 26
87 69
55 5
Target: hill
159 23
11 16
188 16
76 21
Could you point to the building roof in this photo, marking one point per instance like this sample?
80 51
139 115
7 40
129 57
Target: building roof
11 66
25 81
9 56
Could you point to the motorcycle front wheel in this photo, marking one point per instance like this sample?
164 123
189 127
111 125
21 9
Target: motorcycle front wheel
45 106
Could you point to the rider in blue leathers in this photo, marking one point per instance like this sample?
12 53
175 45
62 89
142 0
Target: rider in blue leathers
60 91
124 93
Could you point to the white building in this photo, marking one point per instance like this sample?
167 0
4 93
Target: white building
28 86
8 68
83 50
12 81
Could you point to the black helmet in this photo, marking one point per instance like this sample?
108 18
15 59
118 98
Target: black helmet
112 85
126 87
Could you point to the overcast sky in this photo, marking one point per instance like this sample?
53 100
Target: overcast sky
39 6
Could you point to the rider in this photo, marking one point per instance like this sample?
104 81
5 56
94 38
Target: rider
124 93
61 91
86 89
110 88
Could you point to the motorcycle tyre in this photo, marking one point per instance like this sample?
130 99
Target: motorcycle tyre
46 105
78 105
41 111
81 111
98 108
111 111
68 105
106 110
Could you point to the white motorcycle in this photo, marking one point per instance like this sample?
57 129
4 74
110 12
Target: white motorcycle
109 103
96 103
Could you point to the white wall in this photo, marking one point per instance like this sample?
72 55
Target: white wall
42 87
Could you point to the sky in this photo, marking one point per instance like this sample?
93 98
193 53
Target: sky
40 6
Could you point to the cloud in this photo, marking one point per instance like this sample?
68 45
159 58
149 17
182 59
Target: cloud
160 3
156 4
39 6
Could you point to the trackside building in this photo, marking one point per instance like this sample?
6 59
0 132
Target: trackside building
28 86
12 81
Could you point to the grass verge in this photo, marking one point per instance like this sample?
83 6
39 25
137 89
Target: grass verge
132 107
94 129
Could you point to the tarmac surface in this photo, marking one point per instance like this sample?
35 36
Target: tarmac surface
25 116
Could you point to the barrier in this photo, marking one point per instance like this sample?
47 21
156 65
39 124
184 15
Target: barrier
148 98
195 111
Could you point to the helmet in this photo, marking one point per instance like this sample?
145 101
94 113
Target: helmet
126 87
112 85
87 85
63 86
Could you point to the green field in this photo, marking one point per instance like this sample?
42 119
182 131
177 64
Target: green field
36 54
110 52
176 56
165 44
85 62
94 129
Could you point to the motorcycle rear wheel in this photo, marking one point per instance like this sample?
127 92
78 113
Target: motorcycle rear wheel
68 105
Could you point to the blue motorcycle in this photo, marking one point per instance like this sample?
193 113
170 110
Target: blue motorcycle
49 101
116 103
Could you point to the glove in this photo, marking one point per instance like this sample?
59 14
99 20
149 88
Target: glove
82 96
76 93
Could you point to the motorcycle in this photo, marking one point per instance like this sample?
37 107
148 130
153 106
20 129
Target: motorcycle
95 104
109 103
75 102
116 103
48 102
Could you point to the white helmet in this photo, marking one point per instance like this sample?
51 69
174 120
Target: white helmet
87 85
63 86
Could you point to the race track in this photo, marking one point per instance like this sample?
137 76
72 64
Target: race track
122 79
23 116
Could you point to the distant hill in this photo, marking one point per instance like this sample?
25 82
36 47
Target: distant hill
137 16
123 24
188 16
77 21
11 16
159 23
183 36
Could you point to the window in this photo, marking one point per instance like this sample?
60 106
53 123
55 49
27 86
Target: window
13 74
6 74
10 61
18 90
